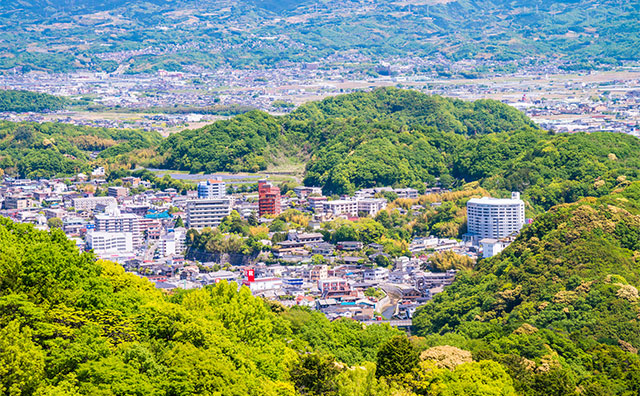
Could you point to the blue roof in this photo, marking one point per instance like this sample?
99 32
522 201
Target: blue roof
159 215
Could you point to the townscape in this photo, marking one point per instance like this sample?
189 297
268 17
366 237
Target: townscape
319 198
146 230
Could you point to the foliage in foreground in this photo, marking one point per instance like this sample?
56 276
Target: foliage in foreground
560 307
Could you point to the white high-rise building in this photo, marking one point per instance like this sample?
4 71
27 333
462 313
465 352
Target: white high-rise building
203 213
212 189
126 222
495 218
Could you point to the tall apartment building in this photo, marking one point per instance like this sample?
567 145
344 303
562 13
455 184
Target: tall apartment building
90 203
173 242
268 198
16 203
125 222
495 218
371 206
212 189
203 213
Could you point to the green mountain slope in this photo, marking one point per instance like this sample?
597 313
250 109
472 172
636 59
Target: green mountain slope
583 33
50 149
560 306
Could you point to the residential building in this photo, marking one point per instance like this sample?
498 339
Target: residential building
90 203
317 203
377 274
211 189
173 242
268 199
491 246
341 206
117 192
125 222
371 206
16 203
203 213
494 218
110 242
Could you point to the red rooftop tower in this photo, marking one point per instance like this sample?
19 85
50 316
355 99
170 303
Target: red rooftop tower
268 198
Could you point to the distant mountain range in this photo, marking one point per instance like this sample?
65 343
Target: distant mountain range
61 35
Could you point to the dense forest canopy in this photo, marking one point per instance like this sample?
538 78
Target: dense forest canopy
559 307
25 101
56 149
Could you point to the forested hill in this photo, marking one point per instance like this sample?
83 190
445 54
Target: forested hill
55 149
24 101
406 138
560 307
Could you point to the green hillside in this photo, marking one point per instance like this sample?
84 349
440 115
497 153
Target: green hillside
559 308
24 101
50 149
70 325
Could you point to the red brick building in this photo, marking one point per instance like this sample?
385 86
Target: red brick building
268 198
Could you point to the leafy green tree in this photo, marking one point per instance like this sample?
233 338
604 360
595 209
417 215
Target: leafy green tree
397 356
315 374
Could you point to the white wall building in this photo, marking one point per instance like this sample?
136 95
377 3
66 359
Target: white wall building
90 203
173 242
495 218
371 205
126 222
203 213
110 242
212 189
341 206
491 246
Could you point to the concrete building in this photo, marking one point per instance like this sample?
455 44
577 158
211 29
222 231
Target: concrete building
16 203
90 203
378 274
371 206
341 206
268 199
203 213
126 222
494 218
117 192
110 242
491 246
211 189
173 242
